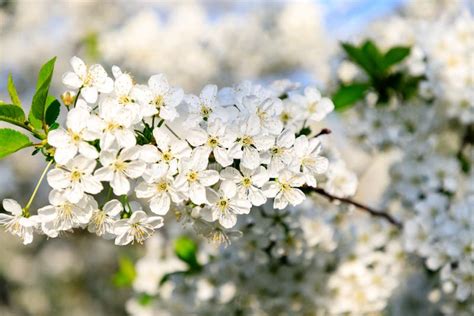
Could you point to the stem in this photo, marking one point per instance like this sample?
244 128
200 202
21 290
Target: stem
360 206
77 97
176 135
26 212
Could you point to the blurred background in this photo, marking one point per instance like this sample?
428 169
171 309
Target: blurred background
193 43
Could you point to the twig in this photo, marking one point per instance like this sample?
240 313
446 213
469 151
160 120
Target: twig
365 208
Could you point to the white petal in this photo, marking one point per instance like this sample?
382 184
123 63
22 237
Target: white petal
90 94
250 158
135 169
227 219
12 206
88 150
161 204
72 80
197 194
228 188
120 184
78 66
58 179
208 177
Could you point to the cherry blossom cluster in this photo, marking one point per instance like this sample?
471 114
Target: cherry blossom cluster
221 152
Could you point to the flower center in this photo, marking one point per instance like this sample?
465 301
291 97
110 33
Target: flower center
277 151
247 140
212 142
125 99
167 156
222 204
76 175
192 176
162 186
312 107
246 182
159 101
285 117
119 166
88 80
139 232
205 111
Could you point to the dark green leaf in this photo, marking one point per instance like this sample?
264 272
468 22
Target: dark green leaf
186 249
395 55
126 273
38 105
348 95
12 141
53 107
12 113
12 91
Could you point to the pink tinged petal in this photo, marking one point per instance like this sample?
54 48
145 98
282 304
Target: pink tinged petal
90 94
135 169
64 154
72 80
12 206
197 194
222 157
120 183
208 177
227 219
58 179
228 188
250 158
160 204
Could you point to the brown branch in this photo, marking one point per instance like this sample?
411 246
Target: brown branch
360 206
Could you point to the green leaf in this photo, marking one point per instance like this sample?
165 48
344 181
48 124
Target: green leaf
395 55
12 141
186 249
126 273
12 91
12 113
348 95
53 107
38 105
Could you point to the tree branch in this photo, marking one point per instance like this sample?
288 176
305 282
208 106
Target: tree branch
360 206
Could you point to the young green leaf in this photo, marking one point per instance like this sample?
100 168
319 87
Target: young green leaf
126 274
348 95
12 113
395 55
12 141
186 250
38 105
12 91
53 107
375 57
